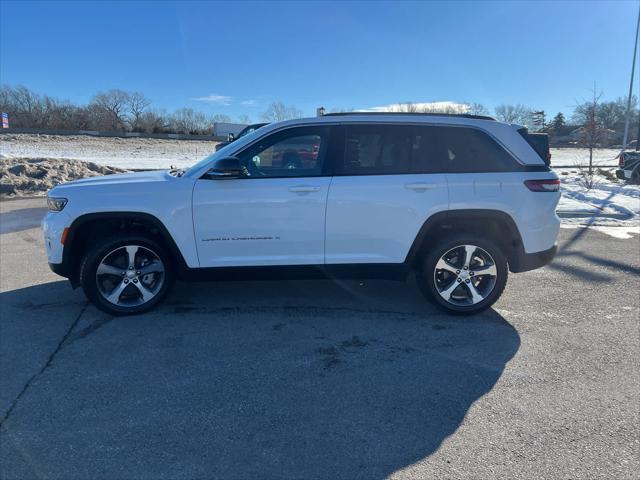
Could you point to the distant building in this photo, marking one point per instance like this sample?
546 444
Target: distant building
223 129
609 136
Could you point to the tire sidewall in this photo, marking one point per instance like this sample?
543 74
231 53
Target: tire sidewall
95 255
427 280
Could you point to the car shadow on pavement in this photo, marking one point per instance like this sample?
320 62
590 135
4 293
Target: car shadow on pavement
570 252
307 379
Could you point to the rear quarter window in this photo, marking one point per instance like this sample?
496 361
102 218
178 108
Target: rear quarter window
467 150
539 142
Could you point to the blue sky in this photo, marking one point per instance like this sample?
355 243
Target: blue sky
242 56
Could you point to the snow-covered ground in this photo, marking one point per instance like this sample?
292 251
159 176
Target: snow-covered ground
127 153
611 206
610 203
580 156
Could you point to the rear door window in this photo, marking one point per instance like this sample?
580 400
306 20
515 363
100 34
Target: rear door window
379 149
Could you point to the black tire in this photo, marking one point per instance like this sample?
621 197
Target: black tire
426 275
95 254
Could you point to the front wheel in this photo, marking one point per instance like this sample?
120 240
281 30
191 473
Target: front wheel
126 275
463 275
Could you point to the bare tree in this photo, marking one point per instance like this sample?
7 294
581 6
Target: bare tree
188 121
24 106
442 107
405 107
245 119
613 114
513 114
110 107
220 118
137 103
477 109
278 111
592 132
153 121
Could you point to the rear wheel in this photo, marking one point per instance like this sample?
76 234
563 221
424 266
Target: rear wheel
126 275
464 275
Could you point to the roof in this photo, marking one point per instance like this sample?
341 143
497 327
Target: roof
418 114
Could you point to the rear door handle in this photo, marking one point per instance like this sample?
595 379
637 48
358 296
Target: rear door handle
304 189
419 187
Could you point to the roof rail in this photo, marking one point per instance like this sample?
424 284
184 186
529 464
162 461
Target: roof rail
419 114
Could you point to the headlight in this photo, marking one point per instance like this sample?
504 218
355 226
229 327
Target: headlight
56 204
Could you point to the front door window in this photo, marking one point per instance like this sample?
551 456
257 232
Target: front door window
297 152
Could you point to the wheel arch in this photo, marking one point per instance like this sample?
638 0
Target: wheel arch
495 224
88 226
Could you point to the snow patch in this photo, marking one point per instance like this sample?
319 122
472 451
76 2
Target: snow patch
610 202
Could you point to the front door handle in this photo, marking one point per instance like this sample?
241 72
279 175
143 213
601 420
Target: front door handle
304 189
419 187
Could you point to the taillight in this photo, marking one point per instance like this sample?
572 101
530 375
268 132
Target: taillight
621 160
543 185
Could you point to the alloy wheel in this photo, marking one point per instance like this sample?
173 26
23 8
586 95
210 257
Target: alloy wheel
465 275
130 276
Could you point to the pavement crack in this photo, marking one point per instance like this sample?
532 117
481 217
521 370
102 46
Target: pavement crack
48 363
90 329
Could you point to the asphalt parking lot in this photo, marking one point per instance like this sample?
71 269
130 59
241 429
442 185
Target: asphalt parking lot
322 379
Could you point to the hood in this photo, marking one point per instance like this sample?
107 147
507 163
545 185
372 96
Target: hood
116 179
150 176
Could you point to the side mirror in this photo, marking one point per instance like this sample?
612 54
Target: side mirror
225 168
231 137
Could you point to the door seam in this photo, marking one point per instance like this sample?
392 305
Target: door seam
326 208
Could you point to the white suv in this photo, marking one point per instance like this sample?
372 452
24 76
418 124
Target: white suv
459 199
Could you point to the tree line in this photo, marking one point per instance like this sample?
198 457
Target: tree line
593 121
117 111
122 111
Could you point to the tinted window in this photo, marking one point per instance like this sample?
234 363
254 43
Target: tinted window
296 152
470 150
539 142
387 149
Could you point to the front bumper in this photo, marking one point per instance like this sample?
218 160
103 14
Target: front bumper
523 262
53 225
59 269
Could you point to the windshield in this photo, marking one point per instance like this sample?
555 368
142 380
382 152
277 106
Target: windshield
225 151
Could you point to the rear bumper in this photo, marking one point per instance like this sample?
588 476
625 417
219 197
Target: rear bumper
622 175
523 262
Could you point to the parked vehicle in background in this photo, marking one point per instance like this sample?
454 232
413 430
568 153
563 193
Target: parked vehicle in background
245 131
540 143
629 166
459 200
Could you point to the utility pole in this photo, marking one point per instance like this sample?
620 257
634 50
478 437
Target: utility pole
633 71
